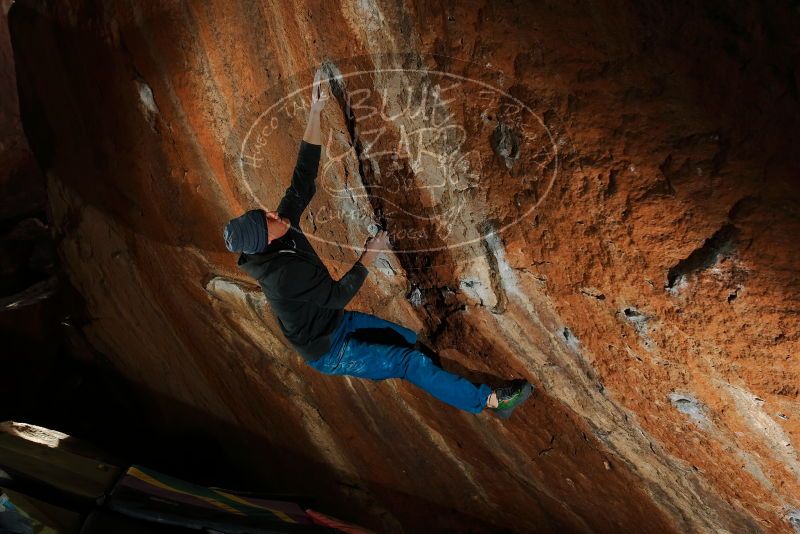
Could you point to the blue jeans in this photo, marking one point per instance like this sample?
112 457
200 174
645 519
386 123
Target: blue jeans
367 346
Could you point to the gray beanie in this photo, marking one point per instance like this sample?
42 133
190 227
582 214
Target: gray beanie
247 233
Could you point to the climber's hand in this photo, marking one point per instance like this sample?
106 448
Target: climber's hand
319 95
374 246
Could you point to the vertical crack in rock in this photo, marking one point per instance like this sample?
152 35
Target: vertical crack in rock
719 244
435 303
365 171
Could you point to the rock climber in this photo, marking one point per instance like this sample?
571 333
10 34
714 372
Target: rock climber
309 304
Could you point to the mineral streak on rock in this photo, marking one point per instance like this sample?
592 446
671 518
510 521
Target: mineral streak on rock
686 404
645 194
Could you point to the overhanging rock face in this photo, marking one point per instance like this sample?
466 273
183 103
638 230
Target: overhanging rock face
603 202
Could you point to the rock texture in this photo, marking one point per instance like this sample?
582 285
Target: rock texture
625 238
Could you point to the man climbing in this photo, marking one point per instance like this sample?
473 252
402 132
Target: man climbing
309 304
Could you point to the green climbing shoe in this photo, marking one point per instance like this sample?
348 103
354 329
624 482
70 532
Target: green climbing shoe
508 398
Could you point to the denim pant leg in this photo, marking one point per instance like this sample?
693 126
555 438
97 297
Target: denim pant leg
366 320
376 361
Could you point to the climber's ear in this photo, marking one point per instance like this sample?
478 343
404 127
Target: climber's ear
276 225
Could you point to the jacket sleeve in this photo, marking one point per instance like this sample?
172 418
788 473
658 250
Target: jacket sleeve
302 189
310 283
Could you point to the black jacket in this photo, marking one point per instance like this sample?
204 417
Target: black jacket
306 300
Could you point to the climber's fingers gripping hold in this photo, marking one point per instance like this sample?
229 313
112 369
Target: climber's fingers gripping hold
374 246
319 91
379 242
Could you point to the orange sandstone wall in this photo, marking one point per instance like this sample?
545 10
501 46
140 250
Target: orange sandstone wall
616 220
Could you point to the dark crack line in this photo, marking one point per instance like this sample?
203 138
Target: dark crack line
705 256
365 172
550 446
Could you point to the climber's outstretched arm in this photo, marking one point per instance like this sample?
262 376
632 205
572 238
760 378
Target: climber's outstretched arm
300 193
319 96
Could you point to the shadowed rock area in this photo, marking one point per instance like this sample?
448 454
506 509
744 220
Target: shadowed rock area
599 198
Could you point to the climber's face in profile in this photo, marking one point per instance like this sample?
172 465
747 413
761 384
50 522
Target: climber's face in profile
277 226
